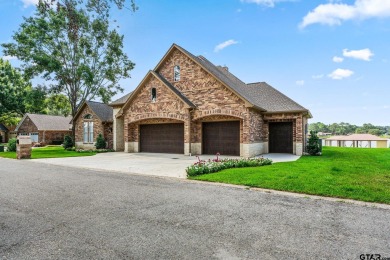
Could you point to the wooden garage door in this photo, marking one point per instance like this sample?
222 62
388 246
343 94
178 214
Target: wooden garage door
281 137
221 137
162 138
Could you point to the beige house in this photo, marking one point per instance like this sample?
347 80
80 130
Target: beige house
357 140
187 105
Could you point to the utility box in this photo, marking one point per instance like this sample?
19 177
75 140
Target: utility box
23 147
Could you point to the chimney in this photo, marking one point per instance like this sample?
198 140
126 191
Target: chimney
225 67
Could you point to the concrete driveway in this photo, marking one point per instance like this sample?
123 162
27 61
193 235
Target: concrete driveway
155 164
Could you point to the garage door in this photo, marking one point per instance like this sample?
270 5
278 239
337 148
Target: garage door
162 138
281 137
221 137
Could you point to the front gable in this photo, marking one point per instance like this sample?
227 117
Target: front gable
200 86
26 125
140 105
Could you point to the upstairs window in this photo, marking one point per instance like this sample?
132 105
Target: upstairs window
154 95
176 73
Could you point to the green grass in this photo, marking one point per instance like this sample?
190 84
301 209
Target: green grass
48 152
353 173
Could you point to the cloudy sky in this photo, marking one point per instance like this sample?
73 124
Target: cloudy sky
333 57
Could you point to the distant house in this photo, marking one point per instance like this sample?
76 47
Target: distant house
357 140
3 133
92 119
45 129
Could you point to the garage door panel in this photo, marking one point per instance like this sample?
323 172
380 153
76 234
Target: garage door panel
281 137
162 138
221 137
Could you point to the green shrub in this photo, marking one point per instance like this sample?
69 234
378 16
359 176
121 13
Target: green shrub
210 166
68 142
11 146
314 146
100 142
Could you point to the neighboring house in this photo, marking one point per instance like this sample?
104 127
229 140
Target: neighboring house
92 119
45 129
3 133
188 105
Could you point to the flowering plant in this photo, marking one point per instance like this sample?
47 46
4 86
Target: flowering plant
216 165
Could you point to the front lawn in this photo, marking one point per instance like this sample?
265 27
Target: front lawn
354 173
48 152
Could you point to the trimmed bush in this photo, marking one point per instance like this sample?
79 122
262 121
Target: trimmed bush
11 146
211 166
100 142
68 142
314 146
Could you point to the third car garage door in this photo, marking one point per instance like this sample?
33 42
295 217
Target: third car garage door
281 137
162 138
221 137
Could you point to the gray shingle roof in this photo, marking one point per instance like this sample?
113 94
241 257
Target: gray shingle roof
48 122
3 128
261 95
121 100
271 99
103 111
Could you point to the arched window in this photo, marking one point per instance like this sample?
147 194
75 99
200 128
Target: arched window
176 73
88 116
88 129
154 94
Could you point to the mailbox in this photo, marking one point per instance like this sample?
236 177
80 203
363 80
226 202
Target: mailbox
23 147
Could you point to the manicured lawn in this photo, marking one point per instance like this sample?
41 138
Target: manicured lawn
48 152
354 173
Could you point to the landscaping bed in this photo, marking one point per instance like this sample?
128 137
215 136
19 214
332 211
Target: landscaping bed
353 173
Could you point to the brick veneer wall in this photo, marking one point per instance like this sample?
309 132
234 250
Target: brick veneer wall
27 126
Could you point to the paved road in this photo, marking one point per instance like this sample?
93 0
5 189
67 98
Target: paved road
55 212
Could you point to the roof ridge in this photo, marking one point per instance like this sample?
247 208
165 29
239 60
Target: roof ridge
259 82
95 102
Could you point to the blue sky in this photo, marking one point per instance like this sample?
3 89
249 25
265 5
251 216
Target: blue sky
332 57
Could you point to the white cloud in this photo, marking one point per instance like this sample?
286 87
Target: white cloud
320 76
300 82
340 74
268 3
364 54
8 57
337 59
225 44
27 3
335 13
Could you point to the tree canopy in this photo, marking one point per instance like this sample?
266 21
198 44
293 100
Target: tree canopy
72 46
346 128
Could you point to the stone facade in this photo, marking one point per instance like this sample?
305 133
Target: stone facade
213 102
99 127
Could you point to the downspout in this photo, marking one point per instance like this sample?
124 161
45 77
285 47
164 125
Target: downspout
189 131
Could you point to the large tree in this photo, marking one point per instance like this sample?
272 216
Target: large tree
72 46
13 89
